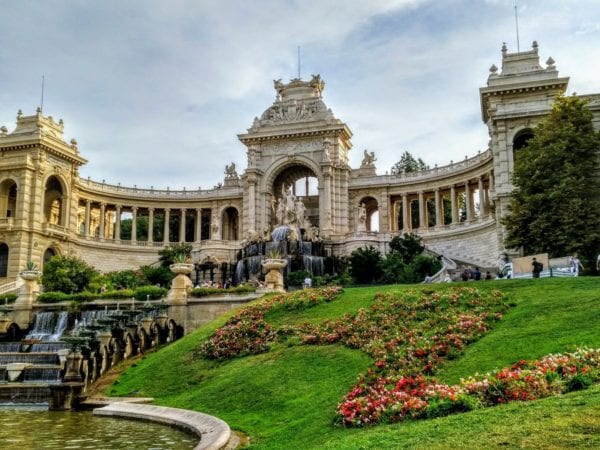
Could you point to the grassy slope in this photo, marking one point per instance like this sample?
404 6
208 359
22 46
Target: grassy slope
287 398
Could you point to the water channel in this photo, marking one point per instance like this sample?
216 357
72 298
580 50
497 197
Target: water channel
37 428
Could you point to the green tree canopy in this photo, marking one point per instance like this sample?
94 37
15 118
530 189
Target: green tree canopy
364 265
555 206
67 274
408 163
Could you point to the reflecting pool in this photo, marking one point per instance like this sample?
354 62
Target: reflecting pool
37 428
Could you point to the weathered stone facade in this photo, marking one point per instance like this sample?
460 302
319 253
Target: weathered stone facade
296 146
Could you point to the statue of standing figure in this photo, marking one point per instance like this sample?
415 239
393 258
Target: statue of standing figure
362 217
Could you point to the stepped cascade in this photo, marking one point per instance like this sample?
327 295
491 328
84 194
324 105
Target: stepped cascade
62 354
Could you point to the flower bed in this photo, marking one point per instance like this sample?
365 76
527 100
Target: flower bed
248 333
408 335
383 399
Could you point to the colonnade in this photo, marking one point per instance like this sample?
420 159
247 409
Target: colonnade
442 206
104 221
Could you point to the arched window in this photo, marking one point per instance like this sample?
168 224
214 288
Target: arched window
53 202
48 254
3 260
520 140
8 198
370 212
230 224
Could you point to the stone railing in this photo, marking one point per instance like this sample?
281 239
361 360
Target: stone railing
126 242
55 230
217 191
411 177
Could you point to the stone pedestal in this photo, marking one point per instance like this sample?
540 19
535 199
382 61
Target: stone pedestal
73 371
28 293
181 285
274 276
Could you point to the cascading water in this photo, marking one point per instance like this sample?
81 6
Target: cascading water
286 241
48 327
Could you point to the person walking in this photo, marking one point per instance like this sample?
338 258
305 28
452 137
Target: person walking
537 268
575 265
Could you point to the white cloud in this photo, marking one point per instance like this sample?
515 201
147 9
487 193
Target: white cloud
156 92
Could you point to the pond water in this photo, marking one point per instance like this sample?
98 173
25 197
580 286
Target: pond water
38 428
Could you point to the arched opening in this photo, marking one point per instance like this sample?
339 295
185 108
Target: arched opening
295 198
368 214
53 202
230 222
520 140
8 198
48 254
3 260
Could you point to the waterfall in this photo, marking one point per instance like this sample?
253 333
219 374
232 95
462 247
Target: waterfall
314 265
45 327
238 277
61 326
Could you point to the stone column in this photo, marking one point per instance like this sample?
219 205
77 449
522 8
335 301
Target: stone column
438 209
422 223
118 222
405 217
482 205
150 224
468 202
134 223
453 205
166 227
182 225
326 207
102 218
198 227
251 180
88 208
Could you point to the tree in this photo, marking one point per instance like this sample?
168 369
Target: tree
364 265
407 246
406 263
555 207
407 164
67 274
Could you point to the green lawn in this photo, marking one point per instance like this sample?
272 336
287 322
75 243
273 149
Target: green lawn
287 398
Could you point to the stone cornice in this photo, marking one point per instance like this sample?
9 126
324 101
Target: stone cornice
485 93
273 135
38 144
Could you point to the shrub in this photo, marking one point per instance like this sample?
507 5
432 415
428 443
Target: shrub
157 275
151 292
365 265
54 297
85 296
67 274
297 278
8 298
120 294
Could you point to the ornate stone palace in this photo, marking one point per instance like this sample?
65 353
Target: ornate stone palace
297 173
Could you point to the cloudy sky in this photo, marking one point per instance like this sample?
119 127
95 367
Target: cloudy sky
156 92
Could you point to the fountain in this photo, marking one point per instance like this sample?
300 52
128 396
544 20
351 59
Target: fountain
55 366
293 240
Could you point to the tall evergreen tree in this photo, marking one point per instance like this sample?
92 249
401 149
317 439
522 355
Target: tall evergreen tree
408 163
555 206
